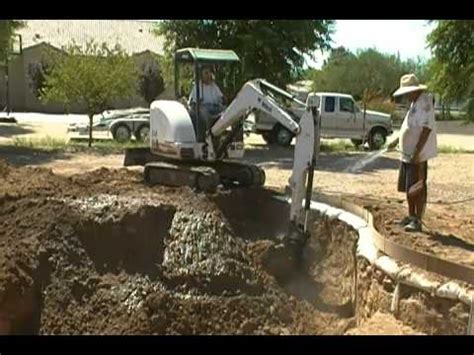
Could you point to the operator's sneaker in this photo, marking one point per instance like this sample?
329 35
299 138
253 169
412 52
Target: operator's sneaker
403 222
413 226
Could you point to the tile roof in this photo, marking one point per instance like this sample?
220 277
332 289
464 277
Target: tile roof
134 36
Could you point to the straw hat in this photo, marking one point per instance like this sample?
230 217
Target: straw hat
409 83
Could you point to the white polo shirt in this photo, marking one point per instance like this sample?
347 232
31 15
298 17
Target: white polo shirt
421 114
210 94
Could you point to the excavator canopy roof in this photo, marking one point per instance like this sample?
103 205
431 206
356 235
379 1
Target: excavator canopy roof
206 55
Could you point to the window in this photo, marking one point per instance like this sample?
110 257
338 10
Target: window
316 101
329 104
346 104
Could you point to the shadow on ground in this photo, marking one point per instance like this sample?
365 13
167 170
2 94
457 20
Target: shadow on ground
21 156
282 158
451 240
10 130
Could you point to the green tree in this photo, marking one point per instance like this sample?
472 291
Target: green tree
151 83
270 49
93 76
452 70
366 74
7 30
37 73
166 64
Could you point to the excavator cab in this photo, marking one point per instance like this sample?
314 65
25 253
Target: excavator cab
188 63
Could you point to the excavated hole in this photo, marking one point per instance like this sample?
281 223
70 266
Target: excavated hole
114 242
254 214
98 254
327 276
134 243
118 258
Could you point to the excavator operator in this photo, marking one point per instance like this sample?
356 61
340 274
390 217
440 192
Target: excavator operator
211 98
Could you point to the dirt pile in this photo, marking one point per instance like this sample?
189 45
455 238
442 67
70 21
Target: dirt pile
100 253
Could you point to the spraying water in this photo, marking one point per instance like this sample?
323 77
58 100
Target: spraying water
361 163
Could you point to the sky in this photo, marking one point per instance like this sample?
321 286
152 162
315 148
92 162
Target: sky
407 37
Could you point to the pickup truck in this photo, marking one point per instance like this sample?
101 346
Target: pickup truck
122 124
341 117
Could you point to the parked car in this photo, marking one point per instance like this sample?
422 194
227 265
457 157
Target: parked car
122 124
341 117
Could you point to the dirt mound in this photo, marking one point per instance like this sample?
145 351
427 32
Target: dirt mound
100 253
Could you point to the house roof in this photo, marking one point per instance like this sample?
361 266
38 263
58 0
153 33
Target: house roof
132 35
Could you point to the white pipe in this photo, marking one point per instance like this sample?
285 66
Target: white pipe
395 299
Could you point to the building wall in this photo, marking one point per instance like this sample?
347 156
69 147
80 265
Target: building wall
135 100
32 56
3 91
22 97
16 84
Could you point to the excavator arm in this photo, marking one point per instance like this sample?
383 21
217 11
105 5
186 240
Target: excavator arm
254 96
301 180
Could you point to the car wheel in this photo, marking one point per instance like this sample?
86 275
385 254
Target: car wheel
283 137
122 133
143 133
377 138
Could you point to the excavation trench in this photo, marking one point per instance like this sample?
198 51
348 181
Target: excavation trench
172 262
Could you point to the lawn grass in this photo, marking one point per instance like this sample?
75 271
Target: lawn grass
51 144
104 147
448 149
337 146
47 143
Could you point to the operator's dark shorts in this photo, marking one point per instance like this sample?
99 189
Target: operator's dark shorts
408 174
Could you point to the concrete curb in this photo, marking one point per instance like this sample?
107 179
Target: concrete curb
400 272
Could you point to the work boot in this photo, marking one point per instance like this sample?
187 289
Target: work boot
413 226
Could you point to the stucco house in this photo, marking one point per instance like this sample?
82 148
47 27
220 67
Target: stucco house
135 37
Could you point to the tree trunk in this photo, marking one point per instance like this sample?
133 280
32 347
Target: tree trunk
90 130
363 123
365 99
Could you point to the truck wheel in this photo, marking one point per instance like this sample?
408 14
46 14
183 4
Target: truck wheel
356 142
143 133
268 137
283 137
122 133
377 138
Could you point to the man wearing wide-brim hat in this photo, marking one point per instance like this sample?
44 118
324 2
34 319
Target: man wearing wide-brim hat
417 145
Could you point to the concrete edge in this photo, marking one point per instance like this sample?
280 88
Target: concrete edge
400 272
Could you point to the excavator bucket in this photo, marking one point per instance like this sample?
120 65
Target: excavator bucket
286 259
